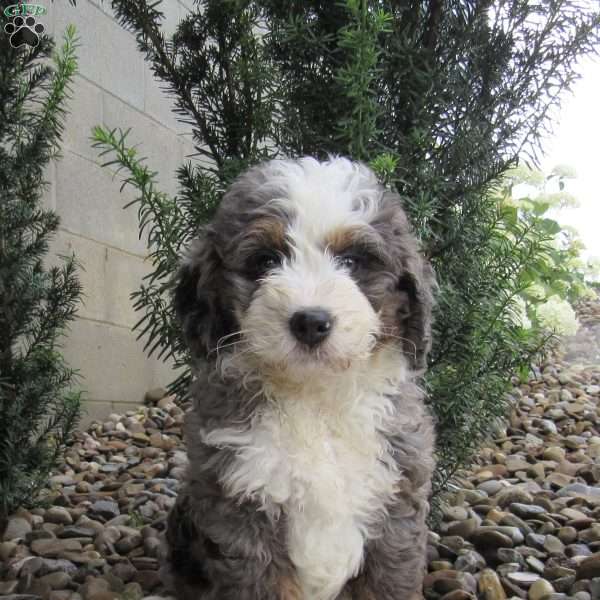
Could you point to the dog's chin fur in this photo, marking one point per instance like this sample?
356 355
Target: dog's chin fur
309 468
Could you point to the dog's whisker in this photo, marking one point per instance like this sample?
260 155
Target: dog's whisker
223 346
400 338
242 340
396 350
236 345
228 335
254 345
239 332
239 353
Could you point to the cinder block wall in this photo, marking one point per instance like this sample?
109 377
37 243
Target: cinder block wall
115 87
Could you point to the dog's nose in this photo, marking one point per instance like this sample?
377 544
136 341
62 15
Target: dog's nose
311 325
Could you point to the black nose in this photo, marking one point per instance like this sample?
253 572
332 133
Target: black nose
311 325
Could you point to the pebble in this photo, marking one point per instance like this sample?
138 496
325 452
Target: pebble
523 579
17 528
553 545
8 587
527 511
564 584
508 555
535 564
455 513
53 548
58 515
554 453
106 509
154 395
57 580
513 494
470 562
7 549
464 529
589 568
491 538
577 550
540 589
489 586
490 487
536 540
567 535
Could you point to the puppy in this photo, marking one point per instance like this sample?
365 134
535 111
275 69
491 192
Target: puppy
310 449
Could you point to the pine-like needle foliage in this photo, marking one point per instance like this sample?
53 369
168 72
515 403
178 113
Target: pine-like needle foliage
441 97
37 408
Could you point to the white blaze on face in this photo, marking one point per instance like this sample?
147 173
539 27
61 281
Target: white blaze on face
322 199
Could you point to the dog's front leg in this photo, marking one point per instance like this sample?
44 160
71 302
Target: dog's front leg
218 549
394 564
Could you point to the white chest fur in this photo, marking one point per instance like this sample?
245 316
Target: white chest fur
326 466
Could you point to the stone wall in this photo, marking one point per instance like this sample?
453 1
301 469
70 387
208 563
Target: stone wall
115 87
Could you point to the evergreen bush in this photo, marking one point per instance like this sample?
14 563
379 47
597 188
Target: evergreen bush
440 97
38 410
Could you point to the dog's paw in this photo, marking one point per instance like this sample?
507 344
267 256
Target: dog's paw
24 32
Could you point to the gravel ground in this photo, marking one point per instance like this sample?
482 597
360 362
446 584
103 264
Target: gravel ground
100 538
523 522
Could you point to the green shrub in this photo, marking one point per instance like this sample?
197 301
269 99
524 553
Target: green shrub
441 100
37 410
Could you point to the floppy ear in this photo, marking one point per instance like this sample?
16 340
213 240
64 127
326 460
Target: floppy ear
414 284
198 297
417 284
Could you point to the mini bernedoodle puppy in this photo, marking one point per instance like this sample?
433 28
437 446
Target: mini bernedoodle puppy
310 448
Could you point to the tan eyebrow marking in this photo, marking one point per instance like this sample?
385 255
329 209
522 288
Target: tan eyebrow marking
269 232
341 239
363 239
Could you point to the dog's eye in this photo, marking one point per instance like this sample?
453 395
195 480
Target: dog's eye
263 262
349 261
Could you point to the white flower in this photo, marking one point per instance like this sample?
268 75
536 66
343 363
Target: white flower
558 315
537 291
519 313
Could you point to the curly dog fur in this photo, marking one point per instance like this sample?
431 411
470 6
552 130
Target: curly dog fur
308 306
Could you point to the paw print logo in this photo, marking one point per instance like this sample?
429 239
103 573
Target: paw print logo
24 31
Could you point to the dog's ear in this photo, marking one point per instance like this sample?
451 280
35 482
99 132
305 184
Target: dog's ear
198 297
415 281
416 284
